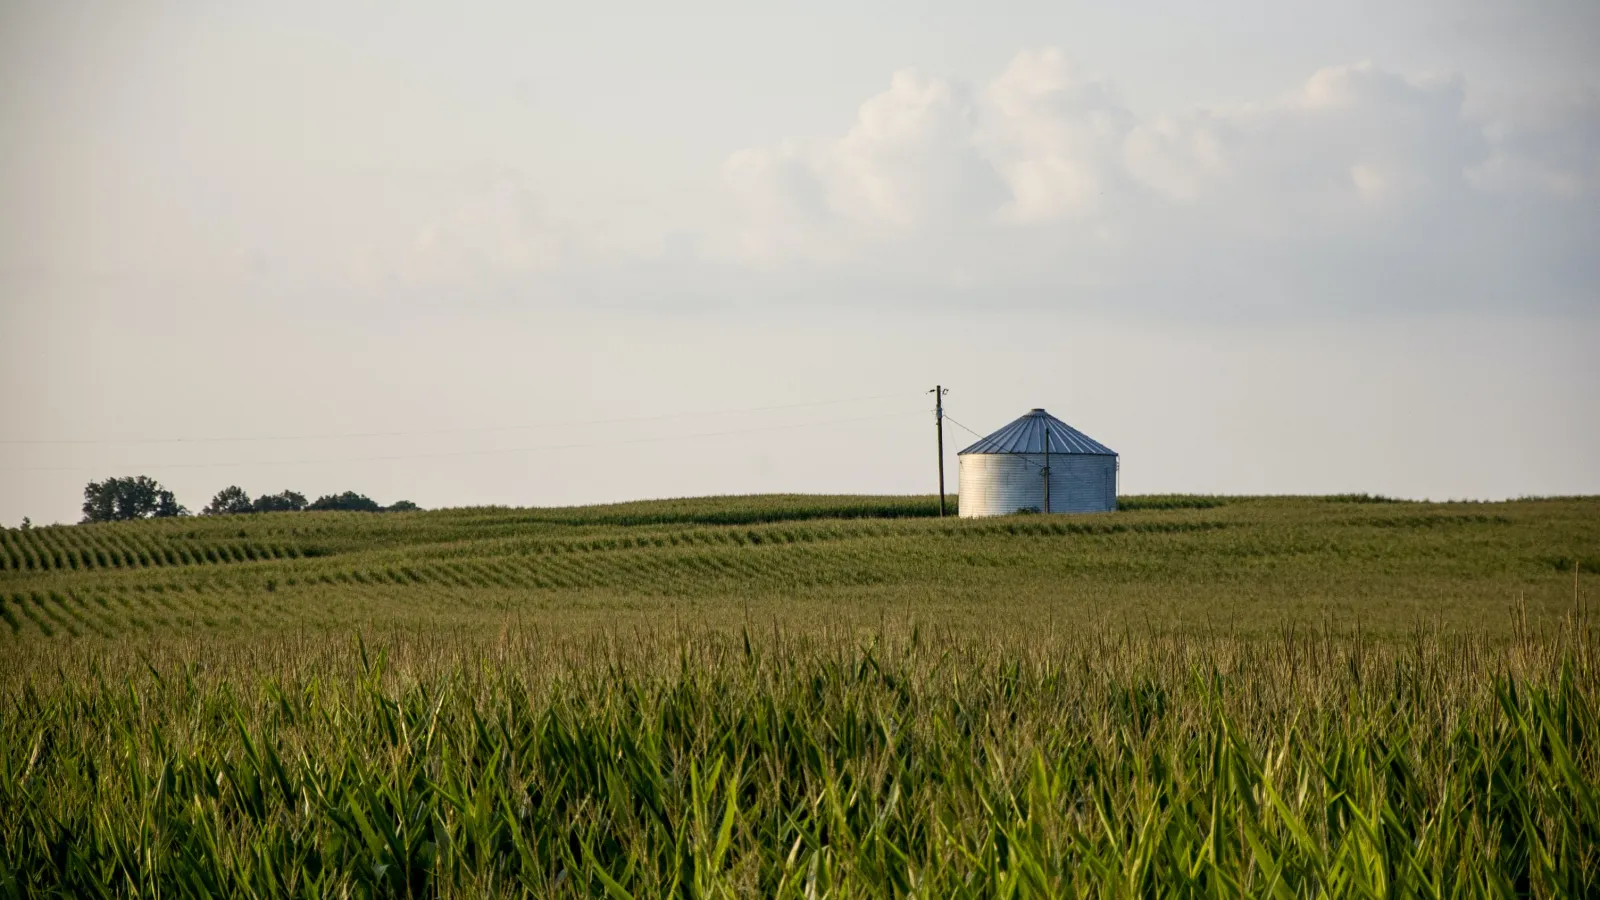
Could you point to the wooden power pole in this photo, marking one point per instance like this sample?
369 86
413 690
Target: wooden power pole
938 393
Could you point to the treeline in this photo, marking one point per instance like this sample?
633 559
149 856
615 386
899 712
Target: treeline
235 500
141 497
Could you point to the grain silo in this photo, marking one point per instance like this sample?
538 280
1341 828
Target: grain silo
1006 471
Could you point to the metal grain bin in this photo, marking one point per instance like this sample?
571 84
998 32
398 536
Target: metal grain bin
1005 472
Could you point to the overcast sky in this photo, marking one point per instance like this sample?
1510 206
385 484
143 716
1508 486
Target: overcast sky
529 254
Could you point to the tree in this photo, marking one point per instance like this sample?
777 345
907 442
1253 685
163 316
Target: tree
229 501
135 497
349 500
288 501
402 506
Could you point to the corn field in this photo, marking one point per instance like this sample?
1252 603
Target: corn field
914 764
747 697
1237 564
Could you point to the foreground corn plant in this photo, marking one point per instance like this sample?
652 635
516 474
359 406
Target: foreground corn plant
716 766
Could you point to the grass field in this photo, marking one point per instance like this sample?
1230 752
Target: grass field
807 696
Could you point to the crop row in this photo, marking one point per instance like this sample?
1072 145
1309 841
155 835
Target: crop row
1432 521
58 549
111 614
742 510
843 531
692 560
74 549
644 571
122 609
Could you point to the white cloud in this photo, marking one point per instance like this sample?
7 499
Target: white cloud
1359 189
911 160
1363 186
1057 136
1360 133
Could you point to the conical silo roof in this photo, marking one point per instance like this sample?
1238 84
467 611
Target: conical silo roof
1026 435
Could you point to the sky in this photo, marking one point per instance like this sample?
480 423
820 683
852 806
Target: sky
546 254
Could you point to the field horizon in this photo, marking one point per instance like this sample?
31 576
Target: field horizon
807 696
1184 561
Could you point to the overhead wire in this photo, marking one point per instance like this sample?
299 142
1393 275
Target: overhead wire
458 453
1020 456
437 431
963 427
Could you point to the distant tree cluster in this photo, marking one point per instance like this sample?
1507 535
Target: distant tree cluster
233 500
121 499
141 497
283 501
349 501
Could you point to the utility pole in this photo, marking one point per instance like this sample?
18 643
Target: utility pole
1046 465
938 393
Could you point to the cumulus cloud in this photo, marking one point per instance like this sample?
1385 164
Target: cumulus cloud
1361 186
911 157
1352 138
910 162
1057 137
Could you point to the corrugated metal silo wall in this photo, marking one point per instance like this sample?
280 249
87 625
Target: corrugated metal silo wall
999 484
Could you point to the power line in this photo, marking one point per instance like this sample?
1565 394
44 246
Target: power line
437 431
977 435
963 427
454 453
